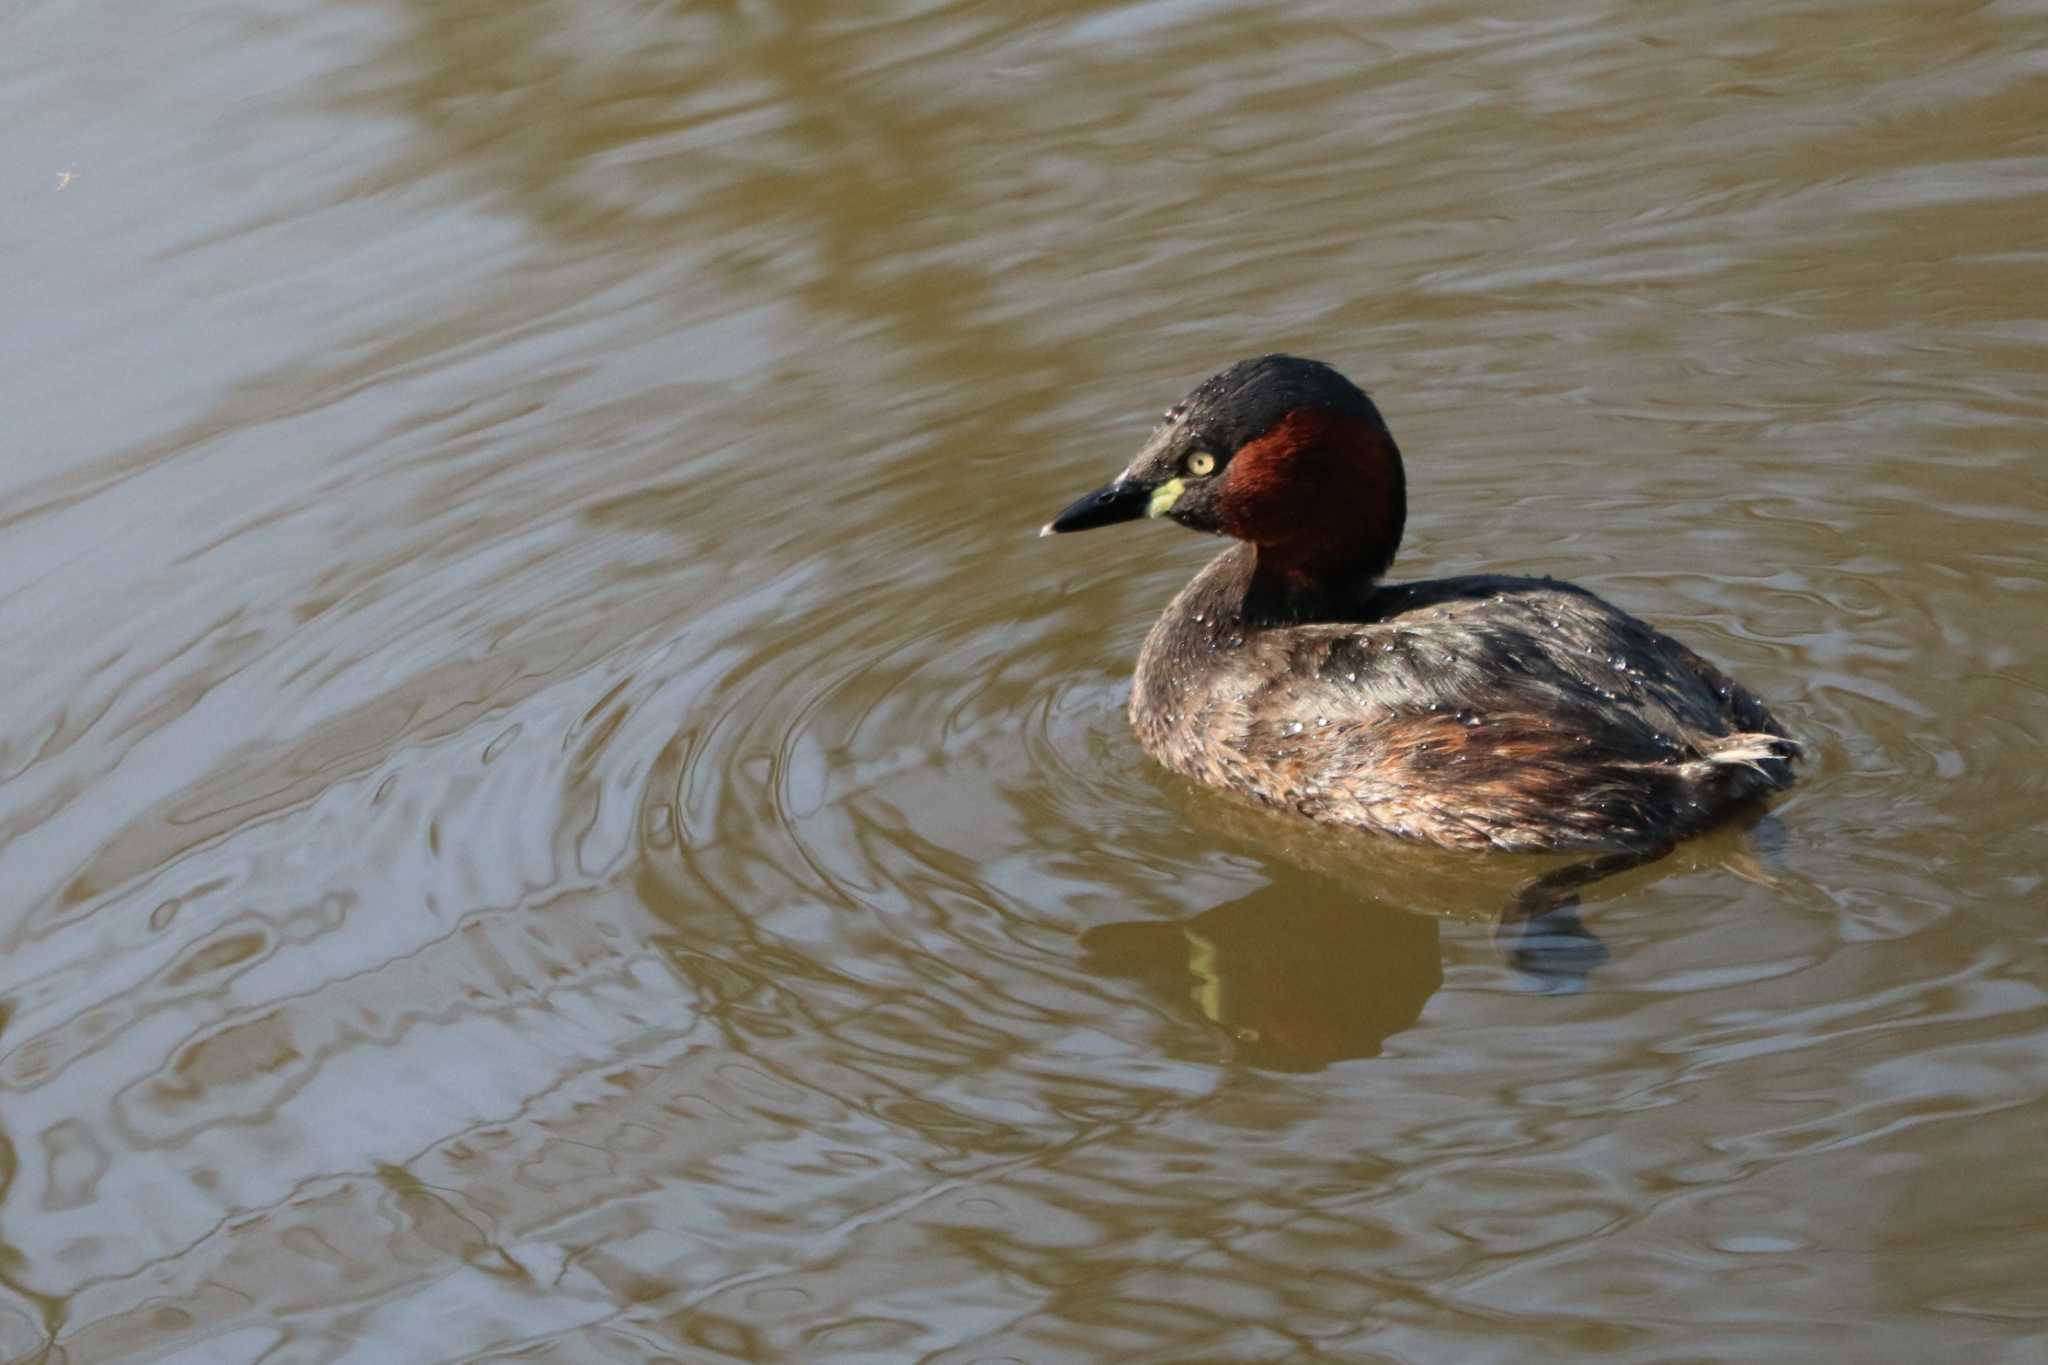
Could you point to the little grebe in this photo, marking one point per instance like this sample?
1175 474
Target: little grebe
1478 712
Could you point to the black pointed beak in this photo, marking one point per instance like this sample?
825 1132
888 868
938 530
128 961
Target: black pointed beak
1119 501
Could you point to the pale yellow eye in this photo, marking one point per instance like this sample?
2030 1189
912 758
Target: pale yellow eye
1200 463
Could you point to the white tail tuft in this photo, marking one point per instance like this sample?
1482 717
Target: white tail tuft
1752 751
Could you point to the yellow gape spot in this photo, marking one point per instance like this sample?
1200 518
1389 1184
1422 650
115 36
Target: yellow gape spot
1164 497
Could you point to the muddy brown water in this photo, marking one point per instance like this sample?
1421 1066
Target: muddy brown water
553 808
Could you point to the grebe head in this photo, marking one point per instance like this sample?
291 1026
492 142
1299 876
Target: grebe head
1285 453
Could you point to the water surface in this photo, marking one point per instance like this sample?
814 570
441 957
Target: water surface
553 808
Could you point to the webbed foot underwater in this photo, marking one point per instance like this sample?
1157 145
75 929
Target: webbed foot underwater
1477 712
